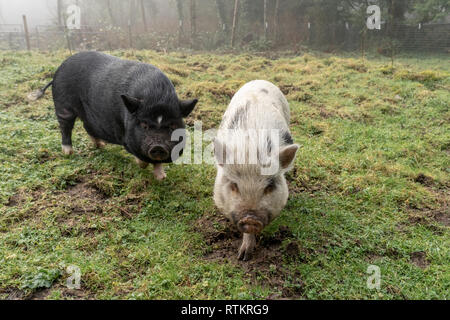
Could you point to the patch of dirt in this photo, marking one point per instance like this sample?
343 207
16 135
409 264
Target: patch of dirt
442 218
288 88
395 291
419 258
373 257
267 264
324 113
13 294
424 180
45 156
42 294
14 200
89 195
75 294
435 219
21 196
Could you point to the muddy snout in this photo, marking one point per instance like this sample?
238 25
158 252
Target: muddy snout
250 224
159 153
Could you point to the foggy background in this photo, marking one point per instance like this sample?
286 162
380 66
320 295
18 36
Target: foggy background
261 25
37 11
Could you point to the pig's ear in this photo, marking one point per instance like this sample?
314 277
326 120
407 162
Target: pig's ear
186 107
287 155
219 152
131 103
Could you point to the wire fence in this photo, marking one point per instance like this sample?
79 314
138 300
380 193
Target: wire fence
430 37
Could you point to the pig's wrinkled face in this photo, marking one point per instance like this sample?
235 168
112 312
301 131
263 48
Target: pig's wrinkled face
154 131
247 198
149 132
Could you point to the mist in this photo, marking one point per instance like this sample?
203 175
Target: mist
38 12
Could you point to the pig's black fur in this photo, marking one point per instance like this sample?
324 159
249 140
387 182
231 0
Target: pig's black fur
119 101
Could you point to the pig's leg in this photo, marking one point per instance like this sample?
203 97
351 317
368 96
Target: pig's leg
141 163
97 142
66 122
158 171
247 246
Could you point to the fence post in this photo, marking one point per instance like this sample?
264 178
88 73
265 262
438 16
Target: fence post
10 40
275 21
37 38
235 18
144 18
266 24
67 35
129 34
25 28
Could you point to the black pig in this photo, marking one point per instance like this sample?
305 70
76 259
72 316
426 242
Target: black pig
122 102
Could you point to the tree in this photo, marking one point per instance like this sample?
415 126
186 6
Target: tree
180 20
193 22
110 12
430 10
276 18
144 18
59 5
222 14
265 23
235 21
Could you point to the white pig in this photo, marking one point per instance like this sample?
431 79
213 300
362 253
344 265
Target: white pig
253 151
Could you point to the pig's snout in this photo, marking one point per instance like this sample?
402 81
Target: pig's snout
250 224
159 153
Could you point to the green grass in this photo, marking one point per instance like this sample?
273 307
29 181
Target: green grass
370 186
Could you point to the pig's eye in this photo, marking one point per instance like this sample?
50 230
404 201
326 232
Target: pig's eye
144 125
173 126
234 187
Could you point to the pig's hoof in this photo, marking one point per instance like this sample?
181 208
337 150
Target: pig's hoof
245 252
160 175
99 144
141 163
158 172
67 150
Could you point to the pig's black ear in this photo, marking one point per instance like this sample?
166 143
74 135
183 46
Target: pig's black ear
131 103
186 107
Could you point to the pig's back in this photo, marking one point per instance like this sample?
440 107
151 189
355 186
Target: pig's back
259 104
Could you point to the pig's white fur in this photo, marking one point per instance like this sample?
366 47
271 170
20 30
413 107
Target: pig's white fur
269 108
257 105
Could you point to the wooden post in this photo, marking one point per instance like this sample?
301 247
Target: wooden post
144 18
221 12
129 34
193 24
275 21
38 39
25 28
10 40
67 35
59 9
180 21
235 21
110 11
129 23
266 25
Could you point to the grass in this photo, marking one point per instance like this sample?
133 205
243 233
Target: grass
370 187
